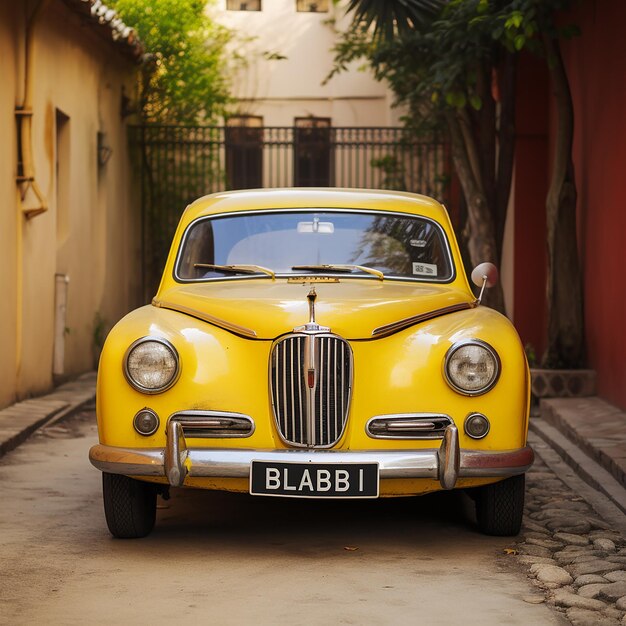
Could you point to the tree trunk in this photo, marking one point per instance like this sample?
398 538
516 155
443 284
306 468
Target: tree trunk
564 285
481 244
506 146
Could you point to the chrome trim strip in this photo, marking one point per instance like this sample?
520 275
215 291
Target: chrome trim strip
204 421
304 209
205 317
477 342
134 384
394 327
235 463
407 421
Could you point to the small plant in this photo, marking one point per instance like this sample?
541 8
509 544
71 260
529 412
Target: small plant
531 355
100 331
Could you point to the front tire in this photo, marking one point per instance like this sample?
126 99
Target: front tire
129 506
500 506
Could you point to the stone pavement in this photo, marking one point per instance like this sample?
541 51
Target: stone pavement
575 556
596 426
574 538
19 421
590 434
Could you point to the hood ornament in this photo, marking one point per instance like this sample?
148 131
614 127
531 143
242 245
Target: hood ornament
311 327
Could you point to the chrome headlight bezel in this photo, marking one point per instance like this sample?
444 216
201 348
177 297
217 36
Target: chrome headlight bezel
138 386
481 344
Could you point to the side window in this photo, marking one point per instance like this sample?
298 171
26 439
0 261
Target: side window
313 153
243 5
244 152
312 6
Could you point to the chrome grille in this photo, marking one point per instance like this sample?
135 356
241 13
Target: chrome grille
311 379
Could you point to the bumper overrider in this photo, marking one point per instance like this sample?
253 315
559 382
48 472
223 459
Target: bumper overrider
176 461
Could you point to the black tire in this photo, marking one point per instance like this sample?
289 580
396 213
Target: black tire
129 506
500 506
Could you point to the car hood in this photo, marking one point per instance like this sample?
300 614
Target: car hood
351 308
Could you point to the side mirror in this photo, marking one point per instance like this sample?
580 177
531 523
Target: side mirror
485 275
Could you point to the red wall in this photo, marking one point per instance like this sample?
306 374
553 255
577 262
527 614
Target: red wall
596 64
531 187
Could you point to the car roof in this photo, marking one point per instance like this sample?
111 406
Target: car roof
315 197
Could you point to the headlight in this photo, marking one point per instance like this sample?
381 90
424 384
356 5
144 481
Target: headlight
472 367
151 365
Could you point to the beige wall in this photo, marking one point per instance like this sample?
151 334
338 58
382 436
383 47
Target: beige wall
280 90
8 51
90 231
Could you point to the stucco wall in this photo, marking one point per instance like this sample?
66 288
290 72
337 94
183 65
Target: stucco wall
280 90
90 232
8 51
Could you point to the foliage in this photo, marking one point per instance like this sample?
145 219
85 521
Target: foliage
453 63
182 76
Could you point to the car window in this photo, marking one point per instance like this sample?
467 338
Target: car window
399 245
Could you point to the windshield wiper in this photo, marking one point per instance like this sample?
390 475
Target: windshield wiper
238 269
331 267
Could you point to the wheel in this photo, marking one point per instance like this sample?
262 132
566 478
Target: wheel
129 506
500 506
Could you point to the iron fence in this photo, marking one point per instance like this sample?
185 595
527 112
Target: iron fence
181 163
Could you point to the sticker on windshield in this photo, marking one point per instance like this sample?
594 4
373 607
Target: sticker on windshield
418 243
424 269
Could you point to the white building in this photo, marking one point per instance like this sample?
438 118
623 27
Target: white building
283 91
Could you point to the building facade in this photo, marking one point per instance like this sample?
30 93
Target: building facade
69 224
282 54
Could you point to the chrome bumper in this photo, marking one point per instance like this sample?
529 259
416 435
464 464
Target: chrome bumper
446 463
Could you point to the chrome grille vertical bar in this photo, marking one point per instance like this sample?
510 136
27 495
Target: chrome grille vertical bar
328 437
335 377
291 382
344 394
298 377
283 406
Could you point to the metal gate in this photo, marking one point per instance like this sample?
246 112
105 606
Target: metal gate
181 163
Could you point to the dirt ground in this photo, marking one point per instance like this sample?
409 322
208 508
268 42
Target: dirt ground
219 558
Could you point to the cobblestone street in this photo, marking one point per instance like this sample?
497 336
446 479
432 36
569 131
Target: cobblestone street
575 558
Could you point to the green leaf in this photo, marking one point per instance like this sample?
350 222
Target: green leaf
519 42
514 20
476 102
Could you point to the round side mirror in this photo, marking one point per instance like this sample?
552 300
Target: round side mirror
485 271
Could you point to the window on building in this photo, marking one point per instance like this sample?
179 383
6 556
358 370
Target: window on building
312 6
62 176
243 5
313 154
244 152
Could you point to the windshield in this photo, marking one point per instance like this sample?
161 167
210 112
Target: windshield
399 245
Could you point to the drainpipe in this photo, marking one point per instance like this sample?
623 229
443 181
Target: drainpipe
25 177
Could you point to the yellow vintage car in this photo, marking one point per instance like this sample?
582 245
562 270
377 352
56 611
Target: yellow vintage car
314 343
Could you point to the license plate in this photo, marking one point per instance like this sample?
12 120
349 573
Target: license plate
314 480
